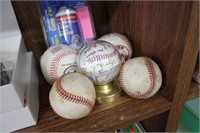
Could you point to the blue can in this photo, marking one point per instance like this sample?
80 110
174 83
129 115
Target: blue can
67 24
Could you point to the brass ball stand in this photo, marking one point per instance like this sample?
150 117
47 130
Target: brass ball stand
109 92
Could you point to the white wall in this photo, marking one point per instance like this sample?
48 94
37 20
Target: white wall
8 21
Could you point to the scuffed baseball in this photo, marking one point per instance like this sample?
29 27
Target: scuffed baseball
100 62
121 42
58 60
140 77
72 96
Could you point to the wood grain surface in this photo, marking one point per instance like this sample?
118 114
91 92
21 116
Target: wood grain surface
156 30
111 17
149 124
28 16
188 62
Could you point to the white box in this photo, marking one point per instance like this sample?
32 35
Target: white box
12 95
11 49
27 116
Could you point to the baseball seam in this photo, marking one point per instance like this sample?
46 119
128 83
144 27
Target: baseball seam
97 58
125 47
126 41
152 77
54 64
72 97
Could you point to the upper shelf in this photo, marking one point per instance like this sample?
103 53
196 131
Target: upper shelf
104 117
193 91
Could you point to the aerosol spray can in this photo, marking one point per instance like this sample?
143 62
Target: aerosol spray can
69 32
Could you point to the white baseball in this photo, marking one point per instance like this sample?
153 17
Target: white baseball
122 44
99 61
72 96
58 60
140 77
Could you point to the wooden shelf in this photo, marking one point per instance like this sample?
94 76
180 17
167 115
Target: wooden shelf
106 117
193 91
153 28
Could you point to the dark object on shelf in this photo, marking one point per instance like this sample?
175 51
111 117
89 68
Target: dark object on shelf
5 75
196 75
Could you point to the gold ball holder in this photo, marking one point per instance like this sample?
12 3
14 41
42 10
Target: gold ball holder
109 92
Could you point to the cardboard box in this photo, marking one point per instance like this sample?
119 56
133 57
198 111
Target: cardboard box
27 116
12 50
12 94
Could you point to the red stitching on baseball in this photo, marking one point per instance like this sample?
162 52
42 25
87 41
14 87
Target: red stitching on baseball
71 97
102 57
121 80
124 47
152 77
126 41
54 64
98 57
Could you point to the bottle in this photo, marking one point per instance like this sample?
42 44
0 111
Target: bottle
69 32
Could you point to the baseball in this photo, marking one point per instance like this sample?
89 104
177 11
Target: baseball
99 61
140 77
58 60
72 96
122 44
